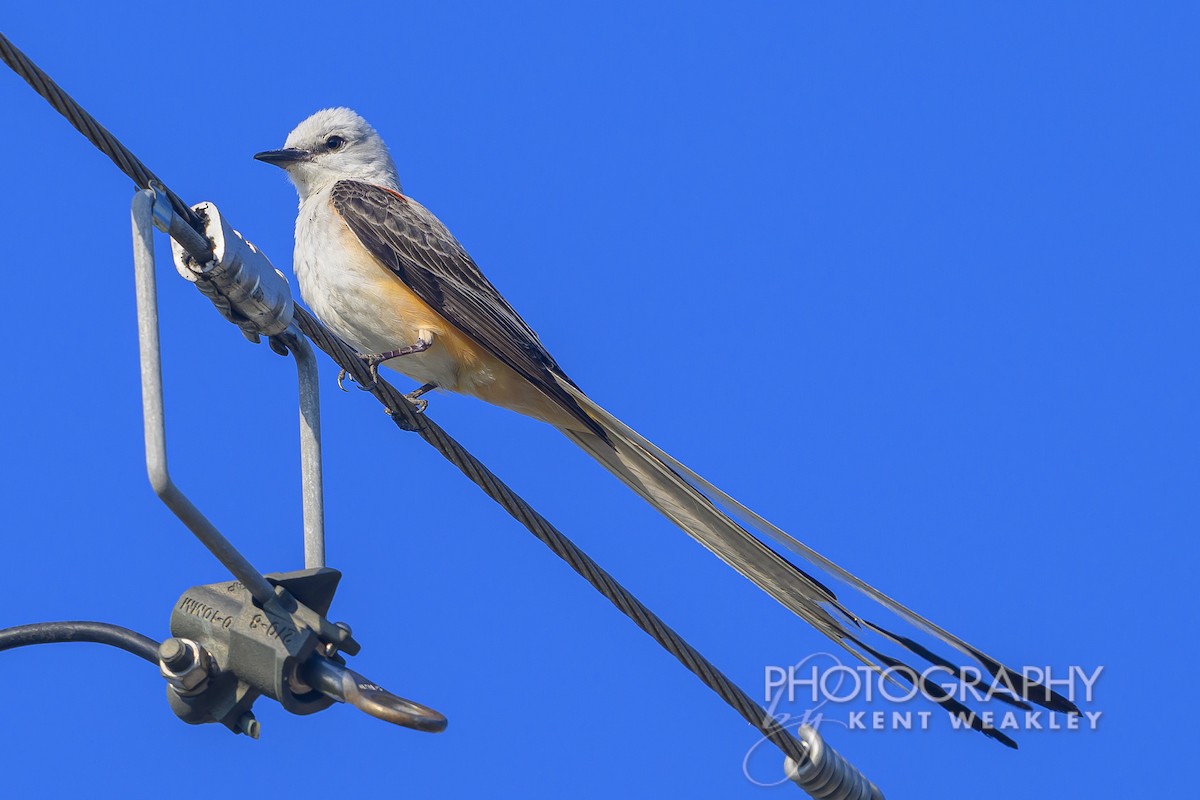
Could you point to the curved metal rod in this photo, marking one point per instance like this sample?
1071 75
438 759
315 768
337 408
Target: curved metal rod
152 408
310 446
347 686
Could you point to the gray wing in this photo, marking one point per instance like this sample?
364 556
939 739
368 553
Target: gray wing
411 242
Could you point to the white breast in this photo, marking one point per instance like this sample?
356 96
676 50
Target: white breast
358 299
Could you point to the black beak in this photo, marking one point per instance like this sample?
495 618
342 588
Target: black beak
281 158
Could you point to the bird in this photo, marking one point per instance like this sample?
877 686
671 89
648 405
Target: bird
386 276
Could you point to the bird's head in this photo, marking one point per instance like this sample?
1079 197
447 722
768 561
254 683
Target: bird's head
333 145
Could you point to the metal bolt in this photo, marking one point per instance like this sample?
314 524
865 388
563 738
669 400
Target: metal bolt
184 664
329 649
175 655
248 725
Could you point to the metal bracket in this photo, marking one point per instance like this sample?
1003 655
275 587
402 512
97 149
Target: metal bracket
152 406
233 642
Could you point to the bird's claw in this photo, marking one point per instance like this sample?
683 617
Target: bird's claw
419 403
373 368
372 365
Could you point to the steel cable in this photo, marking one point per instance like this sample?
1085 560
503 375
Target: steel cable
405 416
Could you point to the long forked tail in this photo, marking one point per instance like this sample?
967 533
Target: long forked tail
729 529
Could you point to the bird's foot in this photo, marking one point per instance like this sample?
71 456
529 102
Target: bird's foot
373 360
414 397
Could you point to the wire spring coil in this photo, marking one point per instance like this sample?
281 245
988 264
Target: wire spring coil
825 774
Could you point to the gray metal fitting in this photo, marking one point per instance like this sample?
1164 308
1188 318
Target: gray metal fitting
240 272
275 649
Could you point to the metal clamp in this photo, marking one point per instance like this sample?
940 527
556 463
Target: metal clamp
226 651
239 271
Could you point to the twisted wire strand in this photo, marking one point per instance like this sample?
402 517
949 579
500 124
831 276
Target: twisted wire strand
405 416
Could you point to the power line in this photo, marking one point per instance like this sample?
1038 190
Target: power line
188 234
98 632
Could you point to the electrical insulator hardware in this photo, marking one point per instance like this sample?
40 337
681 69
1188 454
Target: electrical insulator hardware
258 635
234 642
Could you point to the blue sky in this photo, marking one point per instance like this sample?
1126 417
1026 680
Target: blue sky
917 284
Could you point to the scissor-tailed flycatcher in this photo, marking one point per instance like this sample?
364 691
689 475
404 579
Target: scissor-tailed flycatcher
387 277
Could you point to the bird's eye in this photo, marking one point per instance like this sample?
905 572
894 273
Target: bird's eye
334 143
